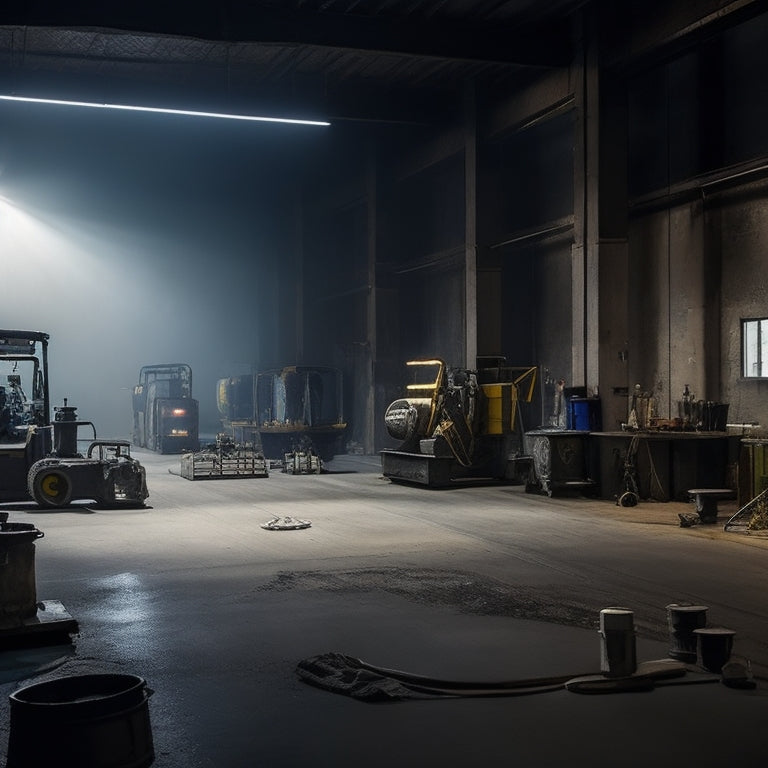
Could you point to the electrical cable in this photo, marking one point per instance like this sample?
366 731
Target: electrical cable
654 474
340 673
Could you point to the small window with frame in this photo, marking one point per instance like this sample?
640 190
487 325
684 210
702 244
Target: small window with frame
754 348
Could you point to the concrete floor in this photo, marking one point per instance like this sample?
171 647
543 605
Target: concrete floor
477 583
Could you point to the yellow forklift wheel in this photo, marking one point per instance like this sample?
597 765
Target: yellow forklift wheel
52 488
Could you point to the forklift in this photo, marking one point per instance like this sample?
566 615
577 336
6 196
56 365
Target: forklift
165 416
39 458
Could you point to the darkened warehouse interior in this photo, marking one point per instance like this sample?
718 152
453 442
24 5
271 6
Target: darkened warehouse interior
454 312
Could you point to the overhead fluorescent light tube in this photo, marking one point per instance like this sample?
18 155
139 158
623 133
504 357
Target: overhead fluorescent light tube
163 110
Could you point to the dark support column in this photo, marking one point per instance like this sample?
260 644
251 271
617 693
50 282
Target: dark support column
470 231
371 194
298 245
614 256
711 96
585 265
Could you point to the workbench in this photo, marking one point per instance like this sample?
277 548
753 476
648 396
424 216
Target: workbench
667 463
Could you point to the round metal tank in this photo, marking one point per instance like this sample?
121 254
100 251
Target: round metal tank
406 419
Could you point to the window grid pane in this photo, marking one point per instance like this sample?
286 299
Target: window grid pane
755 348
763 340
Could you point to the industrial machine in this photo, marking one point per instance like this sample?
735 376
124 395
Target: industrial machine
165 416
39 459
456 423
292 409
107 474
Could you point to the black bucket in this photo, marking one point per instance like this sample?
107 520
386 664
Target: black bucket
682 621
88 721
715 645
18 587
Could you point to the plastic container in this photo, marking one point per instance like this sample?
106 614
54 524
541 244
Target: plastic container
585 414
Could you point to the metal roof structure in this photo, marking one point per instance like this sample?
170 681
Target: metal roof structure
391 60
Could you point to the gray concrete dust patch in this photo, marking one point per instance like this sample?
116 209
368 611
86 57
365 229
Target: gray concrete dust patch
466 592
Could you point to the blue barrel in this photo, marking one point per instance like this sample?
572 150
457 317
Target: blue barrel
584 413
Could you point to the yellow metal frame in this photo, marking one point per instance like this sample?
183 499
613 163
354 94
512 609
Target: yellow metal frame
529 373
526 375
434 388
499 393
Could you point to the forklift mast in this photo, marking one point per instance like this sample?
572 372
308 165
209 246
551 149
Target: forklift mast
25 401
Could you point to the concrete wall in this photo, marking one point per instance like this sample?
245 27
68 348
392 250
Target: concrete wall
740 229
614 333
526 206
536 308
696 152
525 298
383 268
667 307
680 253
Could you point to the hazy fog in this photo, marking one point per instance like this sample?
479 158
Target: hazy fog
141 239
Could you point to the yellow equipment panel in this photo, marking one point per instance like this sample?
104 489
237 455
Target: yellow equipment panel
501 402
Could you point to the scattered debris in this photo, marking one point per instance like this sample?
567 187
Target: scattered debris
752 518
688 519
738 674
285 524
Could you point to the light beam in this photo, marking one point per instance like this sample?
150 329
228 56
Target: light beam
164 110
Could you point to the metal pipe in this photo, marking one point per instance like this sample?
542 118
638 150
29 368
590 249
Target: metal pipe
553 229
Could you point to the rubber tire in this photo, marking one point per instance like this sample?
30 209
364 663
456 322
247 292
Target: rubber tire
34 469
52 487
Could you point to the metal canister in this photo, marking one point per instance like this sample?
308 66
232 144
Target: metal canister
65 430
618 654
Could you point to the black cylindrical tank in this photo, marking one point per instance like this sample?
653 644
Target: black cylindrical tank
65 430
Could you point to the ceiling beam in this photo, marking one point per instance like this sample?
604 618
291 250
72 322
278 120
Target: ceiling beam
469 39
644 33
206 89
